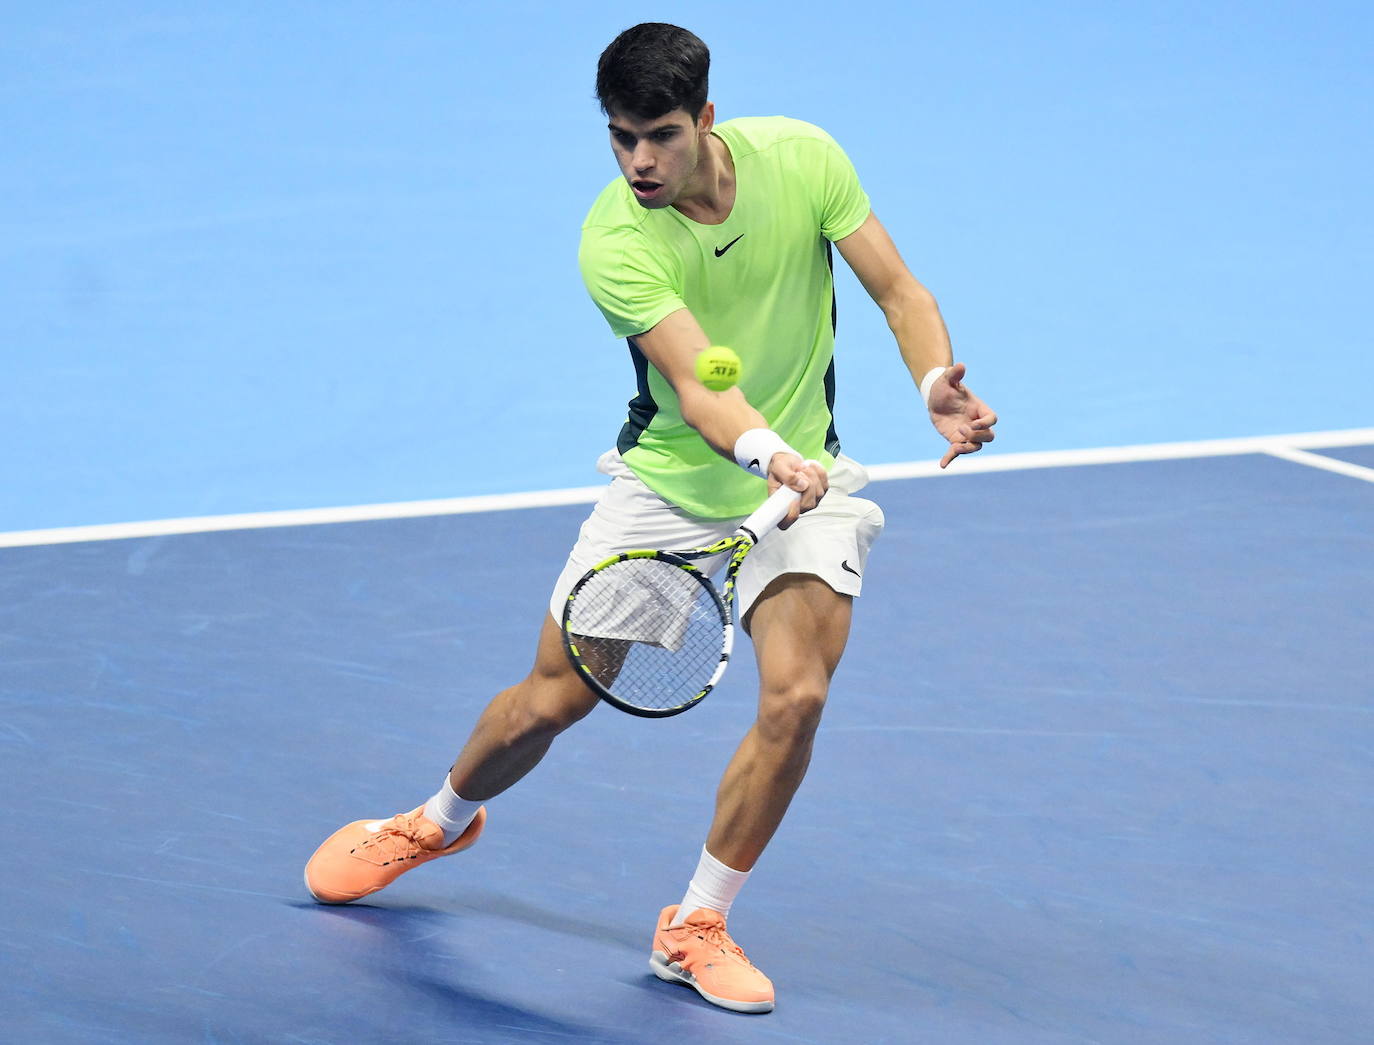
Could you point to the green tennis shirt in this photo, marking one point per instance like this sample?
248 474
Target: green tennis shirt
760 282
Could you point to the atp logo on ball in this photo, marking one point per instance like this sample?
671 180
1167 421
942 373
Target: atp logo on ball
718 368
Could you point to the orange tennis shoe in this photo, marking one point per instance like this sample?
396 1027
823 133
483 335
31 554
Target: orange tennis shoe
700 953
368 855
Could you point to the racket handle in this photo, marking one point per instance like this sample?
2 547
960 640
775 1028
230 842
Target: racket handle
771 512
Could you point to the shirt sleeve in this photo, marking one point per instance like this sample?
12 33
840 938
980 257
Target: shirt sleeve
844 204
632 285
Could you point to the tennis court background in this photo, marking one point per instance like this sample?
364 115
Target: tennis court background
246 257
258 257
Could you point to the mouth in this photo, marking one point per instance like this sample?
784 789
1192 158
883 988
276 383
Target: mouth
646 190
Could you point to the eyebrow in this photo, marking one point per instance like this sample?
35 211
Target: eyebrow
652 130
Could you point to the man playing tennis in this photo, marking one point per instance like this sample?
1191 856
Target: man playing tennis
714 234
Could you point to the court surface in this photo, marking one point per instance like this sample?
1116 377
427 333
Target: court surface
1097 768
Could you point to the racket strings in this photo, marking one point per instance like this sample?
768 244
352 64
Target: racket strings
649 631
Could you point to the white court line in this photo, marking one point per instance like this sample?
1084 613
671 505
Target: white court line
1330 464
1260 444
300 517
1288 447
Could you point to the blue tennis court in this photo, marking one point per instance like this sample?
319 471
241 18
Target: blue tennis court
1130 802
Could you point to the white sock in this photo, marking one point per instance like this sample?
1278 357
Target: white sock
714 887
451 813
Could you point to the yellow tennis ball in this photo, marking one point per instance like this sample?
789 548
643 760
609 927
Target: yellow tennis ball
718 368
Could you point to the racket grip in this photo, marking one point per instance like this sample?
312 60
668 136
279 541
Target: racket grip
771 512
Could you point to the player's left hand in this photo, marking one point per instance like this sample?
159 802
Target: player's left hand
959 415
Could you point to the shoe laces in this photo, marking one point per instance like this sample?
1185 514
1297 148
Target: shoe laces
715 934
394 838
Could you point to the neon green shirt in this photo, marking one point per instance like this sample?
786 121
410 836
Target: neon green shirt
760 283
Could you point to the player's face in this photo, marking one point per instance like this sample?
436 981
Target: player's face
658 157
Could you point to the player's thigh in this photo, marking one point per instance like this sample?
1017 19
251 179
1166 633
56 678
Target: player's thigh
800 626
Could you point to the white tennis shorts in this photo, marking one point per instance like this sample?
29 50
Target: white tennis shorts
830 542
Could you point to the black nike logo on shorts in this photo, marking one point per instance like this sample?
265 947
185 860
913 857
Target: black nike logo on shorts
721 250
849 569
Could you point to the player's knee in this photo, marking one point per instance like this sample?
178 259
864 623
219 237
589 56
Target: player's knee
525 719
792 714
553 701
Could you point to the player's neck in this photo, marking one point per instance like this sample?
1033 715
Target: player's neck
710 196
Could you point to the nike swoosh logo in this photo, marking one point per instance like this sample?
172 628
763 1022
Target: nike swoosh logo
721 250
849 569
754 463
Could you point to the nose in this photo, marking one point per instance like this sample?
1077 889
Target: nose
642 159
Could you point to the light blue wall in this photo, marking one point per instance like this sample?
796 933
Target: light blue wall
250 254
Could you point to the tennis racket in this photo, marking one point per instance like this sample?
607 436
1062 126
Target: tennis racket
649 632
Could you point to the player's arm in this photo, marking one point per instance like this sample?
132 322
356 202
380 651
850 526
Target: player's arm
721 418
915 321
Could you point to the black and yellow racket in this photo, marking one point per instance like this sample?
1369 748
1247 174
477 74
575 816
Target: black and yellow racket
649 632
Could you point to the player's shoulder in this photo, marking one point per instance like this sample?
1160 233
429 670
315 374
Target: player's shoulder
615 209
755 134
612 229
617 233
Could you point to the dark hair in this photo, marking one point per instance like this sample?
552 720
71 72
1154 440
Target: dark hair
652 69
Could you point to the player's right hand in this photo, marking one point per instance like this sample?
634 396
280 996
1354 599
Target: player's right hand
809 478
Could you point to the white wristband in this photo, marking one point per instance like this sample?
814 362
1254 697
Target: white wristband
756 447
932 375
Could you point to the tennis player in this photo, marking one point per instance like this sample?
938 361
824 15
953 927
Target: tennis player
713 234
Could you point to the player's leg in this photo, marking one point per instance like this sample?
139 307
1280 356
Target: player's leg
796 597
511 736
519 725
799 626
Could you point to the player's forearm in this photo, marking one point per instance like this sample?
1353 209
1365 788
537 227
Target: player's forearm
910 308
720 417
915 321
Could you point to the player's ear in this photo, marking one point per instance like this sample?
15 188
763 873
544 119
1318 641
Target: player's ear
706 119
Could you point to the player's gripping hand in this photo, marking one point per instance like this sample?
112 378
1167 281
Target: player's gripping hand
959 415
809 478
